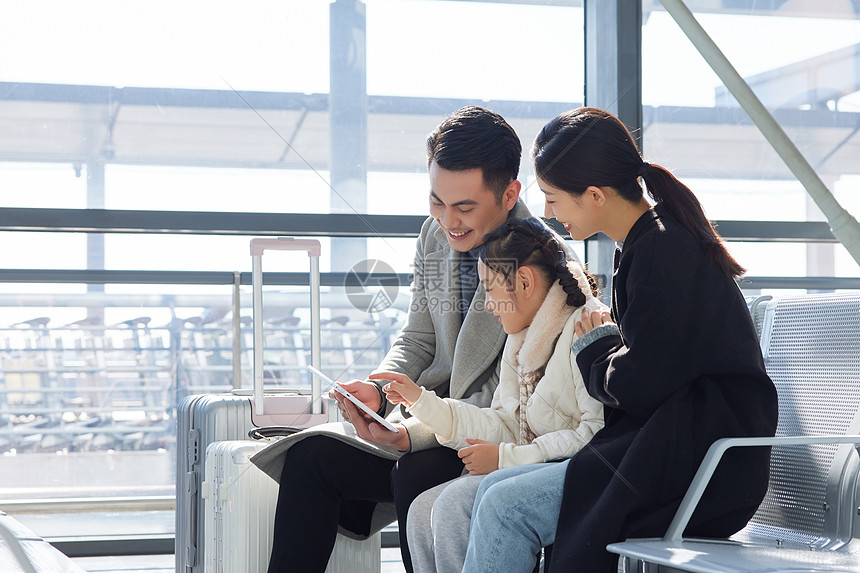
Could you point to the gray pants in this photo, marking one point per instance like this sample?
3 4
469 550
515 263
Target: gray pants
437 527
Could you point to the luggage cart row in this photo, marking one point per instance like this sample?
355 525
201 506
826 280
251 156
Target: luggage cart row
85 387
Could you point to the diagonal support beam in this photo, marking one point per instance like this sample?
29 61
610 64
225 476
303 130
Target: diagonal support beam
845 227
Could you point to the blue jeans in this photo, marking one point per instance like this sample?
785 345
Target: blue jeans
515 514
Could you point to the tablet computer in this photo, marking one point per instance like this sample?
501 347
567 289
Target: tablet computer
361 405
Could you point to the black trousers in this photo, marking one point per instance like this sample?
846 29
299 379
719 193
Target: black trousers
326 482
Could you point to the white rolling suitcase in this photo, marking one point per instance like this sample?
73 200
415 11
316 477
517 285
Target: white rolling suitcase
207 418
240 505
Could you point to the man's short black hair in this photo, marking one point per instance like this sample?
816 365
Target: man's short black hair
476 138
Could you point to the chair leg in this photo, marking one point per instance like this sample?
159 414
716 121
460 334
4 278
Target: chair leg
540 562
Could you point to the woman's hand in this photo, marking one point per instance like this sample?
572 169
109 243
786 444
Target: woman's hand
481 457
591 320
401 389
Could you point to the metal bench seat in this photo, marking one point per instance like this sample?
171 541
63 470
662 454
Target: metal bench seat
23 551
809 518
702 556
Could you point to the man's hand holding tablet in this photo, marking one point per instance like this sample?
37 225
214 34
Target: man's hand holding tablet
358 403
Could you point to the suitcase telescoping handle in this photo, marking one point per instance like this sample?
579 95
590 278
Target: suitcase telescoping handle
312 247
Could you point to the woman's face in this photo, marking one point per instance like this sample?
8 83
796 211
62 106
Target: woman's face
502 301
572 212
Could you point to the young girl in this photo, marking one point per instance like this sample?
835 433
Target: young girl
541 410
684 369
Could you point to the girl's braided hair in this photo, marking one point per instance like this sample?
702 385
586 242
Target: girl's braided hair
528 242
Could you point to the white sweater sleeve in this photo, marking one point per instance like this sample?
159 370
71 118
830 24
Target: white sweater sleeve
453 420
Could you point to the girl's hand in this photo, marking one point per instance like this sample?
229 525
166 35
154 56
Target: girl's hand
591 320
401 390
481 457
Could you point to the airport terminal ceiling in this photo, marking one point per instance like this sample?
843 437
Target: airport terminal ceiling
222 128
151 126
788 8
74 124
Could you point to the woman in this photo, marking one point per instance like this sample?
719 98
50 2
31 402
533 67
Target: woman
541 411
681 369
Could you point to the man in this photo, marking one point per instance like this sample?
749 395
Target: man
450 344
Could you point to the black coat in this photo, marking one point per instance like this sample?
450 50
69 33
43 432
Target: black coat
686 370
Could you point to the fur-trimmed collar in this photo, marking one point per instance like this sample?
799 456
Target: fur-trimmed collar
536 343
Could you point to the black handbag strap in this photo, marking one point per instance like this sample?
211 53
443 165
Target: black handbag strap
266 432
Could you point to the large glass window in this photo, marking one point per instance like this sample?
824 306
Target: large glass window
694 126
227 107
219 107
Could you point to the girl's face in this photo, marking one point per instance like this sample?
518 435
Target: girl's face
507 305
575 213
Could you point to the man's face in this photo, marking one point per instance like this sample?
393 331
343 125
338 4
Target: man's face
465 208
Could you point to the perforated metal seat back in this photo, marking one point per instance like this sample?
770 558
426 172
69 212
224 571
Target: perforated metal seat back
811 346
758 308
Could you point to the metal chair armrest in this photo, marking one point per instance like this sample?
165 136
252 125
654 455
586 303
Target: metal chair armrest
712 459
16 548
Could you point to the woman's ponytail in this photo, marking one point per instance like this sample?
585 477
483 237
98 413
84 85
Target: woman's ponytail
683 205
